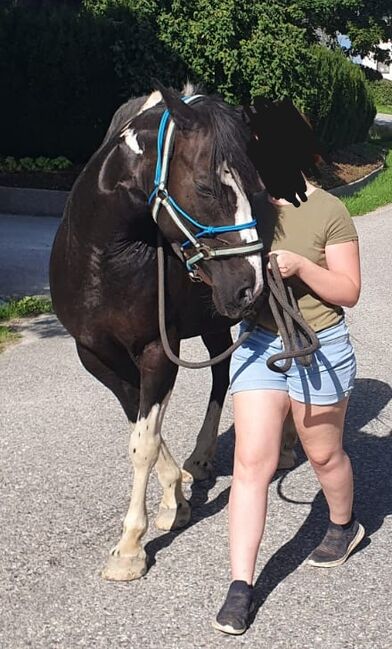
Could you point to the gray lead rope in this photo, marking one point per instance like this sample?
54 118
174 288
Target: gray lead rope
286 326
299 340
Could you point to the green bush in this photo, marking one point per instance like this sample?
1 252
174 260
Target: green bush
343 108
382 92
67 69
239 48
10 164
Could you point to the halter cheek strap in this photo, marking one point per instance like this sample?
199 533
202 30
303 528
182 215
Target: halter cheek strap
160 197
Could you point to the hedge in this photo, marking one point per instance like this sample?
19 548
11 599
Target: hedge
382 92
66 69
65 72
343 109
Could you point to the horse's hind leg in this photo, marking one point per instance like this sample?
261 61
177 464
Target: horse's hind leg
199 463
174 510
128 559
124 383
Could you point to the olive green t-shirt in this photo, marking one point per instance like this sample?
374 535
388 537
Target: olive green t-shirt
307 230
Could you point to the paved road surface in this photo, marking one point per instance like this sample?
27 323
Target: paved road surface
64 487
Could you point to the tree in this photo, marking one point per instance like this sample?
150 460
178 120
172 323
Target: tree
366 22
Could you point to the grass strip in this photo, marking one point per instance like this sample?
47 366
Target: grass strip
7 337
27 306
377 193
383 108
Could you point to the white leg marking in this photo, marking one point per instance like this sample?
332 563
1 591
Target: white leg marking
243 215
143 449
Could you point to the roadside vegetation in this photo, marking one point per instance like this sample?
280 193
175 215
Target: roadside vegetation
377 193
384 108
13 310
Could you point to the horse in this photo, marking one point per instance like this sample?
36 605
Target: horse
103 276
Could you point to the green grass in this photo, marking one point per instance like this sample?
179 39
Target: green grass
377 193
384 109
7 337
26 306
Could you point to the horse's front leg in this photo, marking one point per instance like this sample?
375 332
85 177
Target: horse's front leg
199 464
128 559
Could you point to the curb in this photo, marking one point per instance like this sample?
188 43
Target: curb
356 185
51 202
32 202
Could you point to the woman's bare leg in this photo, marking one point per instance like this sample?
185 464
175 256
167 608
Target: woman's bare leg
320 429
258 417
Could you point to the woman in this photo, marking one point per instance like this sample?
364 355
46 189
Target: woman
316 247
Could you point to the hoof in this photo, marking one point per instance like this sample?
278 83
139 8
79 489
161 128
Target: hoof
125 568
287 460
173 519
197 470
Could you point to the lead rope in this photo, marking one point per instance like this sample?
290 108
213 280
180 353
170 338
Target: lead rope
299 339
289 331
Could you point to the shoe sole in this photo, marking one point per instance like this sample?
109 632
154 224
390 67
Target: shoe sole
338 562
230 630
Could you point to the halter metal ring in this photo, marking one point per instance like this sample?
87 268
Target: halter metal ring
205 250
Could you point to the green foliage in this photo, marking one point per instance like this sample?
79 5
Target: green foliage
240 49
7 337
26 306
366 22
382 92
66 69
377 193
10 164
343 109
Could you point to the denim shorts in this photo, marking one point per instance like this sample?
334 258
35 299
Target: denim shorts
329 378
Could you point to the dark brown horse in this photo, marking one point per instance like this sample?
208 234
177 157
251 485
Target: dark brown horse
103 277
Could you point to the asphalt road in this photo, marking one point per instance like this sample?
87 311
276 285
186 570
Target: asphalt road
65 482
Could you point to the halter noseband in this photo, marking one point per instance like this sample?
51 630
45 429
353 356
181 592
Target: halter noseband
161 197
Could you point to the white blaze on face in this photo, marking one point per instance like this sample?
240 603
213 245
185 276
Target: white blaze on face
243 214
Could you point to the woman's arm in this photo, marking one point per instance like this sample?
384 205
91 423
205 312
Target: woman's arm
340 283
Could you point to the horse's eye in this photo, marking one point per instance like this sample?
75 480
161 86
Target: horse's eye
204 189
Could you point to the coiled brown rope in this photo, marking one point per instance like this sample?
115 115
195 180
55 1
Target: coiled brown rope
292 334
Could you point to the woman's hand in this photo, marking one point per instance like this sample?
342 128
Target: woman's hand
289 263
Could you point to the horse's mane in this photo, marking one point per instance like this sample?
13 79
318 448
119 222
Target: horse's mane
230 136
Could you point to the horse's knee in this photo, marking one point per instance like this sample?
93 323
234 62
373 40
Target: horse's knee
145 440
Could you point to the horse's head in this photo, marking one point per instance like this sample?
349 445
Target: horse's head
208 190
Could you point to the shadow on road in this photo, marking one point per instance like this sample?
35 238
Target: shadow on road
370 455
44 326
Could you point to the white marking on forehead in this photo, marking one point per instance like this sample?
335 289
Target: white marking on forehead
130 137
152 100
243 214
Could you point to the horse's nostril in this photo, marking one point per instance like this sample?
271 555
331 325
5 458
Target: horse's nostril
245 296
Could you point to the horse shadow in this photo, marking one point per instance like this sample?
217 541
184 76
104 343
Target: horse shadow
370 457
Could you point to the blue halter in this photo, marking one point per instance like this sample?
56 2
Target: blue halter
160 195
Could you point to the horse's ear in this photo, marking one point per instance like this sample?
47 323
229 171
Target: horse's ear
185 118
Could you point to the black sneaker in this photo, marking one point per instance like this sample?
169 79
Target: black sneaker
233 617
337 545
